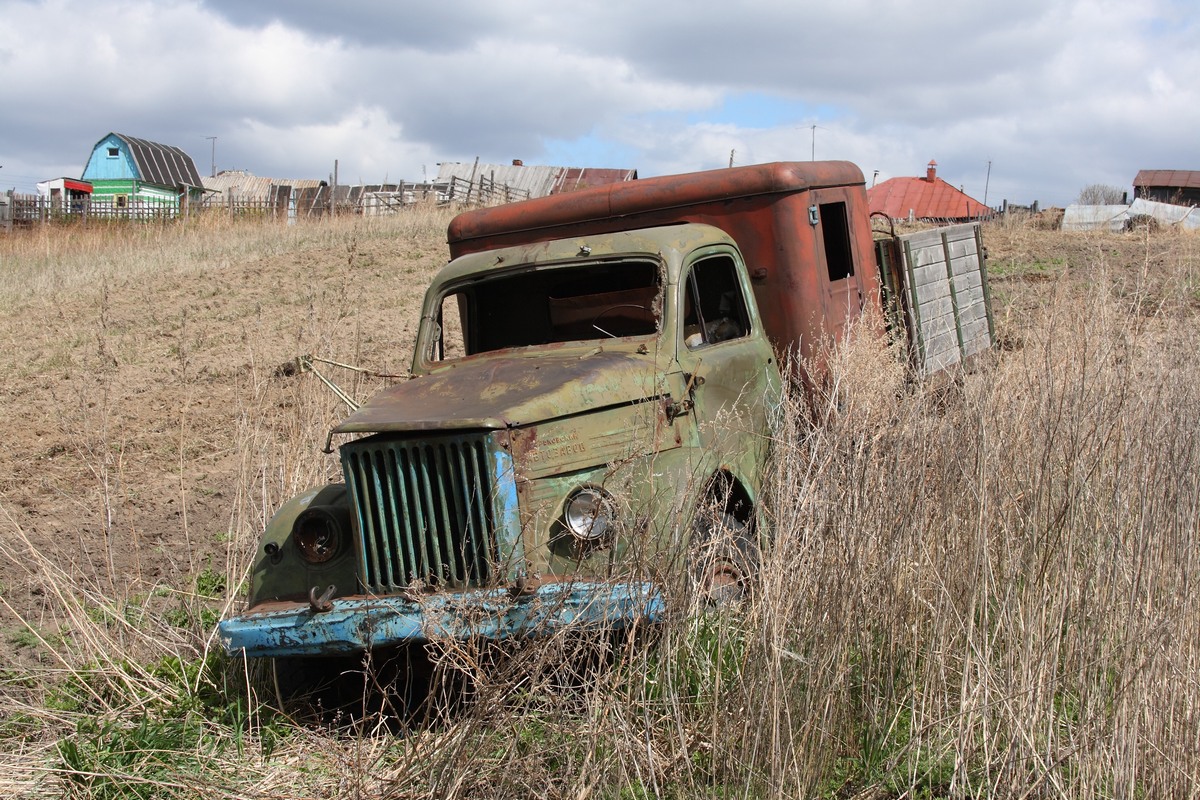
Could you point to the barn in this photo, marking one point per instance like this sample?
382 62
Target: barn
1179 187
929 198
131 172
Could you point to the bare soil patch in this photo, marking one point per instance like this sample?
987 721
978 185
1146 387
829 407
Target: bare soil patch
150 422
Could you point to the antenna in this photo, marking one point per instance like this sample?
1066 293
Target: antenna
213 164
813 128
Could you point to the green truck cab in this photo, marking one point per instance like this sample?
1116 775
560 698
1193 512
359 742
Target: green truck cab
592 397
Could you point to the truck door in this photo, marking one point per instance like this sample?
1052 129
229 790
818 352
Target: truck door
725 357
837 262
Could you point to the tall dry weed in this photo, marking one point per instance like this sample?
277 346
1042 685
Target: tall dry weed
979 589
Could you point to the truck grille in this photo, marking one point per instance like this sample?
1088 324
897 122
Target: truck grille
425 510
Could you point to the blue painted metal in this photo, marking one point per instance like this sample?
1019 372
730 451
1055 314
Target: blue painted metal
361 623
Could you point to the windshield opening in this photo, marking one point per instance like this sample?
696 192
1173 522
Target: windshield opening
579 302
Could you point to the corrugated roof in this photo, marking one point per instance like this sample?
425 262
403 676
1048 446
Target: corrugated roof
161 164
924 198
1168 178
243 185
537 181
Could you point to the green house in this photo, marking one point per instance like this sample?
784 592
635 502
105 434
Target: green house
136 173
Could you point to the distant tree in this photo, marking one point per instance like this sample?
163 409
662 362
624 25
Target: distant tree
1100 194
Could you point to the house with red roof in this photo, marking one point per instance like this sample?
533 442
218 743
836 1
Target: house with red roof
929 198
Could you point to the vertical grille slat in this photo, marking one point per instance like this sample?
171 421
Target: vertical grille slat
367 523
451 530
388 474
425 511
469 474
462 505
404 511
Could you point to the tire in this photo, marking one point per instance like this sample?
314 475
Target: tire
724 559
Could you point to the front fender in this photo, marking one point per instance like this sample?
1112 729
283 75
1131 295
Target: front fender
280 572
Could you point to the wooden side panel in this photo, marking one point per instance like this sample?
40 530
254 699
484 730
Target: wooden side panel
949 304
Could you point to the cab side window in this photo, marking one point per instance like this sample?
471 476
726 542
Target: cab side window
714 308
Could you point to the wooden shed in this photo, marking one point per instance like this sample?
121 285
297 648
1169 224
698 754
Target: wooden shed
1179 187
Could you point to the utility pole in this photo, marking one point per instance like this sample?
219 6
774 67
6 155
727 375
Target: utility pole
213 163
986 181
731 152
814 143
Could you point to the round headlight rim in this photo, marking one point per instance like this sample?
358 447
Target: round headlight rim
311 551
603 511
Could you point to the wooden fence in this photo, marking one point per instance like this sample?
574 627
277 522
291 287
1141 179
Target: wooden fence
483 192
282 203
27 209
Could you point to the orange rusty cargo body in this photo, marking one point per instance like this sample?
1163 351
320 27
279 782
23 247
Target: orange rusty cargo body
770 210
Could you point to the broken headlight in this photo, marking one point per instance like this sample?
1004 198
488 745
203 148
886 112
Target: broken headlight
318 535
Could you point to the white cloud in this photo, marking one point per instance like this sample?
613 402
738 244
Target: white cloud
367 144
1055 93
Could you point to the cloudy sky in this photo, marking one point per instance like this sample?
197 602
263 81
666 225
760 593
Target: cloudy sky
1022 100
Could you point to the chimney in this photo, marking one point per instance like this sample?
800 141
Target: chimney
931 171
518 162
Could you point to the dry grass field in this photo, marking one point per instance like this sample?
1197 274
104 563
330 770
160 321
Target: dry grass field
986 590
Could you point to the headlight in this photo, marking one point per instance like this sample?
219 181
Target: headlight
318 535
590 515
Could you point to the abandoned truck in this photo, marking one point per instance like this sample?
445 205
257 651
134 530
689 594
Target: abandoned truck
590 408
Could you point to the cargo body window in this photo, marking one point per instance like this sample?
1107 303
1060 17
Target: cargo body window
581 302
714 308
835 236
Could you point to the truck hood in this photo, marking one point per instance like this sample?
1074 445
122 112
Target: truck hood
504 392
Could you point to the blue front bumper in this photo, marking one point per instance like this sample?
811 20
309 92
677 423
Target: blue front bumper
355 624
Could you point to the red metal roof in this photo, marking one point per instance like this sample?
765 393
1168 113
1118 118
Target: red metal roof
77 186
1168 178
924 198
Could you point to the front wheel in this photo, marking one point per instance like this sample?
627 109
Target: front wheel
724 559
